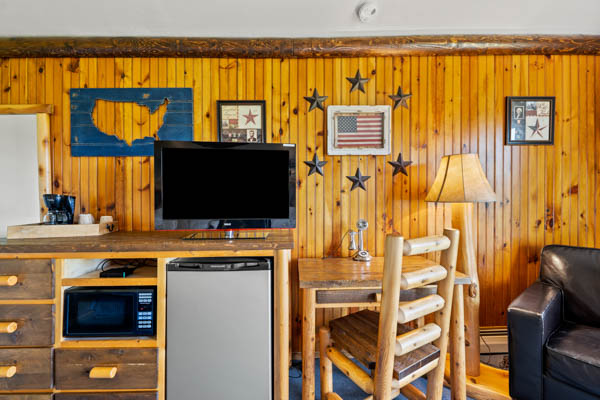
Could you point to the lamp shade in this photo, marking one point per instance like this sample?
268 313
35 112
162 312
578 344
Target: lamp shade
460 179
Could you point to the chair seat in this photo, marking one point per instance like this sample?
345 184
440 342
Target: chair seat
573 357
357 334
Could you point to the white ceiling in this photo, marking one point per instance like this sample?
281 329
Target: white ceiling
300 18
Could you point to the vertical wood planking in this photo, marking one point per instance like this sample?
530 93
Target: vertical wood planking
127 218
547 194
119 162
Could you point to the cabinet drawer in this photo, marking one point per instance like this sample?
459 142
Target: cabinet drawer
34 279
135 368
33 369
107 396
26 325
25 396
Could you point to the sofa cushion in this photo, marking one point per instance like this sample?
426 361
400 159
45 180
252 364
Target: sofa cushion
573 357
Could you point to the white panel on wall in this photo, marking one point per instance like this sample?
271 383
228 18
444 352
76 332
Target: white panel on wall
19 191
306 18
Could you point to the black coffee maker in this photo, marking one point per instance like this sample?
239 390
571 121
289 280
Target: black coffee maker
61 209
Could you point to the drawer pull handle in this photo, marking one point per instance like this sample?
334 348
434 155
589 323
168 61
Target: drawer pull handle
103 372
8 371
8 280
8 327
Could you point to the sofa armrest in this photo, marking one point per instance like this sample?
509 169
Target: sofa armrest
532 317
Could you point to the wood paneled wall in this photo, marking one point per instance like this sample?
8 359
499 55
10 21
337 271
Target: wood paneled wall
547 194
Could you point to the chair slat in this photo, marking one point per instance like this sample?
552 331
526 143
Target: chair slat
414 309
426 244
351 370
422 277
415 375
416 338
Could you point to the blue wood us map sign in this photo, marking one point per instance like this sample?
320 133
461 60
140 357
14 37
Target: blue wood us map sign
88 140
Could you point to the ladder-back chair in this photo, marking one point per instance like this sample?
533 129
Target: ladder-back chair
395 354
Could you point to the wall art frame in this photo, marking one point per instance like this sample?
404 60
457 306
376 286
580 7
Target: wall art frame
530 120
242 121
358 130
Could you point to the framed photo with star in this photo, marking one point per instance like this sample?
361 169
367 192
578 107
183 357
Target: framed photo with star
358 130
529 120
241 121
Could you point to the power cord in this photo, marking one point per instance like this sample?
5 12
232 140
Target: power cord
489 349
134 263
337 249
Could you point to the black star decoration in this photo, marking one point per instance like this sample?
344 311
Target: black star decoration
315 101
400 99
315 165
400 165
358 180
358 82
537 129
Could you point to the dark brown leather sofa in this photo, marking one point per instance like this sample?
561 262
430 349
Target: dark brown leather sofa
554 329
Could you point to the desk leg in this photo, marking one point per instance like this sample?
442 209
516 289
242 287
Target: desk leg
282 325
458 372
308 344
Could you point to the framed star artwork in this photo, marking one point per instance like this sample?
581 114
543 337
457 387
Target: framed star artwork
358 130
529 120
241 121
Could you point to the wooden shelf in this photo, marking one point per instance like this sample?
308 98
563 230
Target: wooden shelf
108 342
143 276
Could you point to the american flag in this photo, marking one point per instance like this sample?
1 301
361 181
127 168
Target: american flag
359 130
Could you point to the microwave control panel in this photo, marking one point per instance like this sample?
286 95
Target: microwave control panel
145 313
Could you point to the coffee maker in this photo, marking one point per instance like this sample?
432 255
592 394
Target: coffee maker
61 209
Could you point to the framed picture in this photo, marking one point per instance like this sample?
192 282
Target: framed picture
529 120
241 121
358 130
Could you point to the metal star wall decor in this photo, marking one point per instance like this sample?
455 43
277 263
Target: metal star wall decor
315 101
358 180
537 129
358 82
315 165
400 165
400 99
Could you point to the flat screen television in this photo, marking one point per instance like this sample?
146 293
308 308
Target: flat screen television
224 186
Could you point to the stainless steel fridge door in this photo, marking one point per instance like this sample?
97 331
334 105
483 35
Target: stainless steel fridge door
219 343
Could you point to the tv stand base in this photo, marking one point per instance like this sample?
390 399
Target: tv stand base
226 235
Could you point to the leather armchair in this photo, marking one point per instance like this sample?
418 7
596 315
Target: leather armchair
554 329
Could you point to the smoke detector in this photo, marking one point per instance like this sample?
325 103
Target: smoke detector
366 11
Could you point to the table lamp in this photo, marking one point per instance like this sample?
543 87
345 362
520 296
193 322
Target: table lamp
460 180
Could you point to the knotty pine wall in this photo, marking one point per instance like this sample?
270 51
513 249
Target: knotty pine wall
547 194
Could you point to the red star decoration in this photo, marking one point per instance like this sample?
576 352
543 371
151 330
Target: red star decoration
537 129
250 117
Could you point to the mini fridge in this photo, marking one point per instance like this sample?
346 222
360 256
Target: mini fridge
219 329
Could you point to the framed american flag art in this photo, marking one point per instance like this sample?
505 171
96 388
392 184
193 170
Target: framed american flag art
358 130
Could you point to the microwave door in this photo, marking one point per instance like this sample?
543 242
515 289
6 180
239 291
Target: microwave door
101 314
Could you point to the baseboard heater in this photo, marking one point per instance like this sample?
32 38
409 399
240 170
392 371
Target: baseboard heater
493 340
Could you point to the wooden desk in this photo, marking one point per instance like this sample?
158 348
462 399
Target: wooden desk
343 282
53 264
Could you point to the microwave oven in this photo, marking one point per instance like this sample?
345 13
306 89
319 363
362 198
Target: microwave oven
109 311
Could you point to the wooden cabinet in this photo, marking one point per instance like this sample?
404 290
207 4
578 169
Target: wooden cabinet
26 320
136 368
26 325
48 364
26 279
33 368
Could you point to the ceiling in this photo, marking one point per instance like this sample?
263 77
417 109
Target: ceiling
285 18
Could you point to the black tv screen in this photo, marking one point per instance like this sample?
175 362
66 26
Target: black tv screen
207 185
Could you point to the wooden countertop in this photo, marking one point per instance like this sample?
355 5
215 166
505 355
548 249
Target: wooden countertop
320 273
137 244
